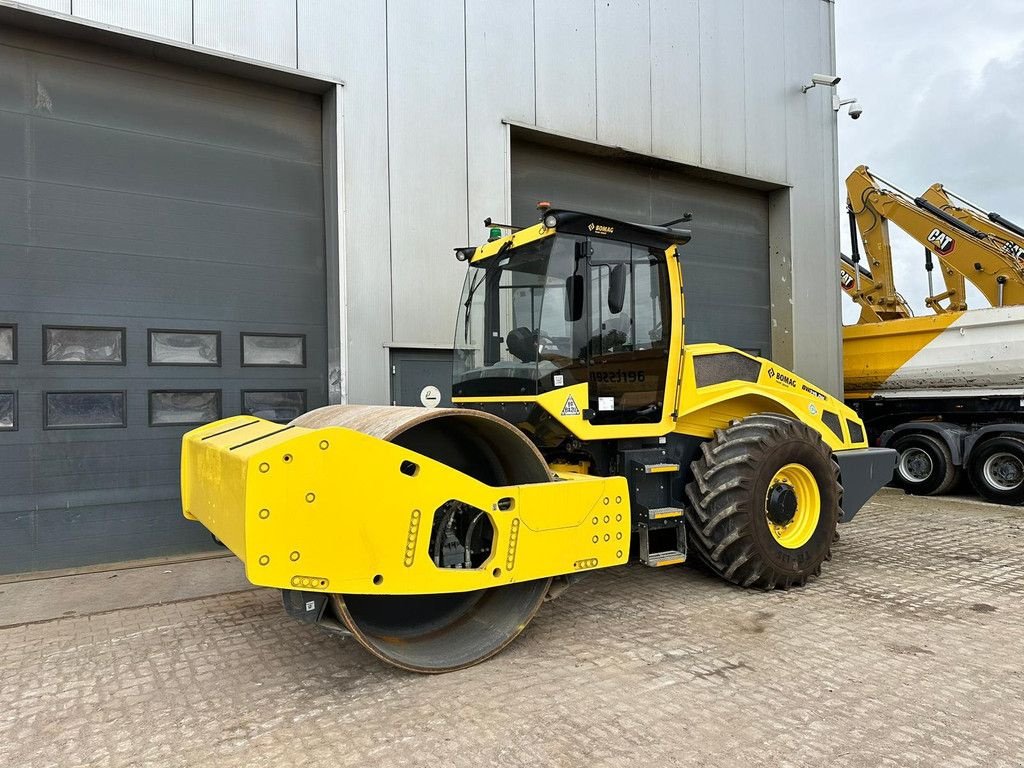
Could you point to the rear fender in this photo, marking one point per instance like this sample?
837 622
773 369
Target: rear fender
743 384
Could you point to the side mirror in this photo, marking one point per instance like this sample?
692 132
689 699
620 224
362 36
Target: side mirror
617 288
573 298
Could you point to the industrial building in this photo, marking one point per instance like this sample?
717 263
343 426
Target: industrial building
213 207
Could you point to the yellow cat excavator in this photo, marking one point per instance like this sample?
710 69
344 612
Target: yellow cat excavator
943 389
969 245
587 435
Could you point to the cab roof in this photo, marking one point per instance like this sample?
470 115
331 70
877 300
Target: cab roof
586 225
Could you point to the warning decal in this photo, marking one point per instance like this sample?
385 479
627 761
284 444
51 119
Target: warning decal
570 408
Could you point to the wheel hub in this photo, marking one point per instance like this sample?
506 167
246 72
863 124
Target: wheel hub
915 465
1003 471
781 504
792 506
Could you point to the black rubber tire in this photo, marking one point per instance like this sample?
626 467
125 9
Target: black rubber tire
976 467
729 529
944 474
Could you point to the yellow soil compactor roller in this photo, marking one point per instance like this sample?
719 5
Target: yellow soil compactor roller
586 435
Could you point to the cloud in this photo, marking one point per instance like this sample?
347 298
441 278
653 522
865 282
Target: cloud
941 89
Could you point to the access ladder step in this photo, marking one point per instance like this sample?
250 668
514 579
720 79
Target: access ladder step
664 513
663 543
651 469
659 559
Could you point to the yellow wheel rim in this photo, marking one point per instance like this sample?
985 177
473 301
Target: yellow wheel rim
798 530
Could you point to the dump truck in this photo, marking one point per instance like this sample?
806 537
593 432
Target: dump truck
585 434
943 389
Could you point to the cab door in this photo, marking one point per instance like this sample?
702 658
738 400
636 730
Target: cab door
628 332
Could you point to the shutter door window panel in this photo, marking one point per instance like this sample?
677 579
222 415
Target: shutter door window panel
96 346
8 411
278 405
81 410
184 347
175 407
274 350
8 343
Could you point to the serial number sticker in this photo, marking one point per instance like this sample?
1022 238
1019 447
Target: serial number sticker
606 403
620 376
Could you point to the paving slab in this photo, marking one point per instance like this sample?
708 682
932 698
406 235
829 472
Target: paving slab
23 602
906 652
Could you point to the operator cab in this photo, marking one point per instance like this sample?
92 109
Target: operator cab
554 306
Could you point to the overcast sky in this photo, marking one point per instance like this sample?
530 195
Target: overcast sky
941 83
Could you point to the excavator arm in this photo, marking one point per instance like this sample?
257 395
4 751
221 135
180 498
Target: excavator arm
860 285
1002 232
872 205
964 252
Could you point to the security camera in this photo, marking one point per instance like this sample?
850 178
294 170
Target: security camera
818 79
838 103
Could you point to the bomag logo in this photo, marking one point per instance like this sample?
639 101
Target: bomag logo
943 243
600 229
846 280
781 377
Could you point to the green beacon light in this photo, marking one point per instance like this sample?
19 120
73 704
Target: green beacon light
495 234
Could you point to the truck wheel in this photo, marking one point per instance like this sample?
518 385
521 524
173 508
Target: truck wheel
765 497
996 469
925 465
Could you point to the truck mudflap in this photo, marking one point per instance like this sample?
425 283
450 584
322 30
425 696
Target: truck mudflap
862 472
334 510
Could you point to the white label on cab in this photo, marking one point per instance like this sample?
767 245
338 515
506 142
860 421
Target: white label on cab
430 396
559 379
606 403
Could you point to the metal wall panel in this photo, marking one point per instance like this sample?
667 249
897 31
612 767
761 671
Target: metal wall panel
726 263
60 6
427 140
168 18
264 31
764 57
139 196
624 74
722 86
499 86
717 100
813 312
675 80
349 41
566 56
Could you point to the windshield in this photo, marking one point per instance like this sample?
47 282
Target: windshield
566 310
515 331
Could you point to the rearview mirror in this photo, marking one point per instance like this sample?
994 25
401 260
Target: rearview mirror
616 288
573 298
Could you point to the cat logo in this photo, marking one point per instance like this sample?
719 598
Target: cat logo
570 408
846 279
943 243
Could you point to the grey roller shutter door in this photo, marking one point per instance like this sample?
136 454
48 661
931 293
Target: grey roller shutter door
726 265
137 196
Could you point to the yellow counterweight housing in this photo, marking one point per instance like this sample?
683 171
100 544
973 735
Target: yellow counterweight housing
336 510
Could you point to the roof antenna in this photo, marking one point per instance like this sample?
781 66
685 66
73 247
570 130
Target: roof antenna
682 219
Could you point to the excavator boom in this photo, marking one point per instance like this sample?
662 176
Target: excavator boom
967 246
